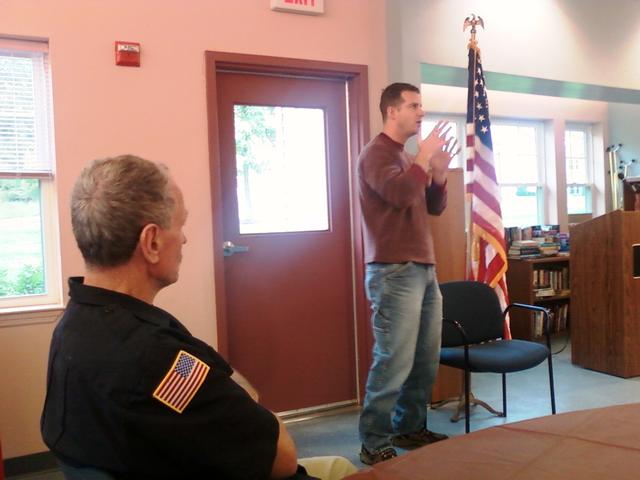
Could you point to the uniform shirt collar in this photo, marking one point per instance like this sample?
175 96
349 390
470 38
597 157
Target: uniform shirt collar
89 295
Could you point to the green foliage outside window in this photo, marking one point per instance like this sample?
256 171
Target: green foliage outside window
253 127
19 190
30 281
21 256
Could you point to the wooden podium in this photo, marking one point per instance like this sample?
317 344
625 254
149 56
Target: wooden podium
605 294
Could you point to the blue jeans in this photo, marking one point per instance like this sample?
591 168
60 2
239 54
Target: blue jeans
407 325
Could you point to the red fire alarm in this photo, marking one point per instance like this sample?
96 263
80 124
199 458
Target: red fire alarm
128 54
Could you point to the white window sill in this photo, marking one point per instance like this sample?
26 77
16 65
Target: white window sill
11 317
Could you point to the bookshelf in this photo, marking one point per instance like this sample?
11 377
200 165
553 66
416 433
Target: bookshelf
542 281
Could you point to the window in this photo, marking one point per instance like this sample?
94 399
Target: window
518 152
29 265
579 167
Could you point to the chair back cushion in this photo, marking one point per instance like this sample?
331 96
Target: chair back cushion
476 307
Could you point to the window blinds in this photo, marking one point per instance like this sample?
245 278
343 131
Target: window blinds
25 110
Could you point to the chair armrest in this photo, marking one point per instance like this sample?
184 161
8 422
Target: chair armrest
460 329
535 308
465 339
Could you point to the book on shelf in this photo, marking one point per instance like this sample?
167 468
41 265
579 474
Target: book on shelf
549 248
556 279
521 252
558 320
526 243
524 248
544 292
538 324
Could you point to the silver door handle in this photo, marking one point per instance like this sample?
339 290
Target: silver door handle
228 249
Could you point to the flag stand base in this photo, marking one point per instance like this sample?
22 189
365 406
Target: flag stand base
459 412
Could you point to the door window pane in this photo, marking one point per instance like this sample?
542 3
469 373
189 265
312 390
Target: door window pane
281 169
21 246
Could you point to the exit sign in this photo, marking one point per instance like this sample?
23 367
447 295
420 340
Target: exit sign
307 7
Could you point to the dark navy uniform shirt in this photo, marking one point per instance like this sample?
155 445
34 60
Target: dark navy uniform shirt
109 354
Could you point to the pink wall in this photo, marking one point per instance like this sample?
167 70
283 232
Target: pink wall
157 111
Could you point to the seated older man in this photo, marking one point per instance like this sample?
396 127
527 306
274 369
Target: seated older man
130 391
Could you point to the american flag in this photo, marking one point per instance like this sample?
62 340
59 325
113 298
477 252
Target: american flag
182 381
487 259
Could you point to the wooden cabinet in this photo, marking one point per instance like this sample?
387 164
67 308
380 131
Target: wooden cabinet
542 281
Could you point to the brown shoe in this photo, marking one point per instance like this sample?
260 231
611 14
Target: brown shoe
417 439
370 458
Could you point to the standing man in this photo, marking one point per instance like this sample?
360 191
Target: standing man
397 193
130 391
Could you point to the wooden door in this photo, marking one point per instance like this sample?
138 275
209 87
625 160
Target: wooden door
285 208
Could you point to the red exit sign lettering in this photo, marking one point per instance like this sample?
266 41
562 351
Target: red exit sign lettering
306 7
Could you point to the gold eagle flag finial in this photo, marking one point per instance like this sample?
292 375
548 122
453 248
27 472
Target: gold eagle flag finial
472 21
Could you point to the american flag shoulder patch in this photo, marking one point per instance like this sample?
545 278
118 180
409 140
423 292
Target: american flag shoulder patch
182 381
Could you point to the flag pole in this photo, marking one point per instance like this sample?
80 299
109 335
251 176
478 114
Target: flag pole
471 21
474 252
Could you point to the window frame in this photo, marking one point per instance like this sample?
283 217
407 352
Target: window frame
44 141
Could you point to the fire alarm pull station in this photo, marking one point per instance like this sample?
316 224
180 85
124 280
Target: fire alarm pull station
128 54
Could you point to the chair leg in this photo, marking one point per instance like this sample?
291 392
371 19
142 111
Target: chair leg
460 399
551 388
504 394
467 412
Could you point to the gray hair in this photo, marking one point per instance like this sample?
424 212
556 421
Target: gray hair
112 201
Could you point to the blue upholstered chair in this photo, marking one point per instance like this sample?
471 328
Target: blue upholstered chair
472 338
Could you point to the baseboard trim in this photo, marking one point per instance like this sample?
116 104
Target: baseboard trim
33 463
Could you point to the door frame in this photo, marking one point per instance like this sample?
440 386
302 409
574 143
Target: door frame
356 79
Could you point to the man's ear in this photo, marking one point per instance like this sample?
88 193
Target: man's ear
391 111
150 243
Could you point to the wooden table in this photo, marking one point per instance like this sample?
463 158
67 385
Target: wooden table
602 443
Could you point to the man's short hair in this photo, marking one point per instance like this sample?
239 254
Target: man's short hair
112 201
392 96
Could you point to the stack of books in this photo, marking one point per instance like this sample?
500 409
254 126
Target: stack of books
563 239
549 248
524 249
536 240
